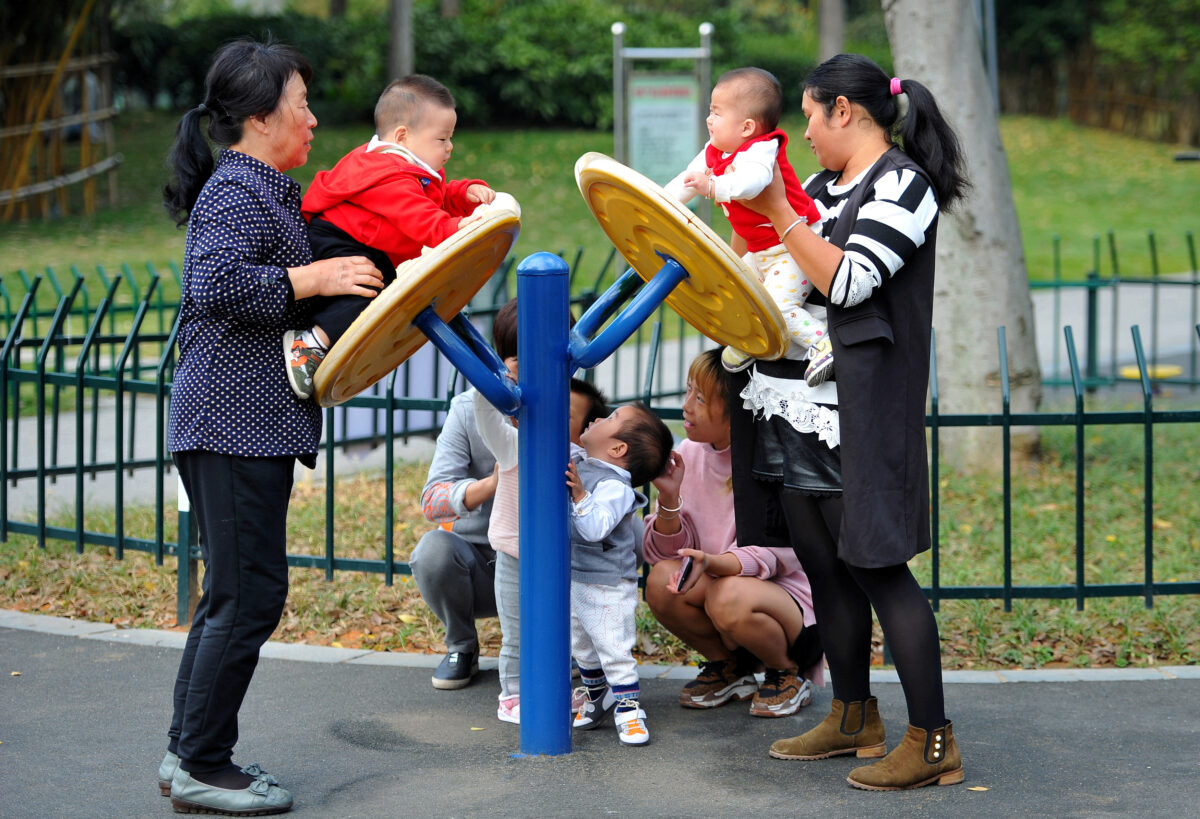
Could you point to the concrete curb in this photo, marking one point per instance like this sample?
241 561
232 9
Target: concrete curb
49 624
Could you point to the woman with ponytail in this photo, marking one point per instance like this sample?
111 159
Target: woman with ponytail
839 472
236 428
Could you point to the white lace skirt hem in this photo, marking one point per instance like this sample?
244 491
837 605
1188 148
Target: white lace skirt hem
764 397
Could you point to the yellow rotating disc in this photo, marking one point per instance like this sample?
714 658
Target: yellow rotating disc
445 278
721 297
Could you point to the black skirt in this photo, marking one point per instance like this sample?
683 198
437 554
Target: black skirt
769 454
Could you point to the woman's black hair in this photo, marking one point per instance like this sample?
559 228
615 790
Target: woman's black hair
597 403
247 79
923 133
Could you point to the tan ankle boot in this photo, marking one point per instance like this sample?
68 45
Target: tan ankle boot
850 728
922 758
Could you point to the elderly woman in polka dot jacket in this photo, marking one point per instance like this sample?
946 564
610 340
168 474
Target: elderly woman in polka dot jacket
236 429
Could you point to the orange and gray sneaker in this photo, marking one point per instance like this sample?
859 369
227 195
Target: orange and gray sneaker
782 694
302 362
718 682
631 722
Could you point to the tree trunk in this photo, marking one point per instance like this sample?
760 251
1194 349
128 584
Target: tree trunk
831 27
981 279
337 9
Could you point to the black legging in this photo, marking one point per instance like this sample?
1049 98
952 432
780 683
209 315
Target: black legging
843 596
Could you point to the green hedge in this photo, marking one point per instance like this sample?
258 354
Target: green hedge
528 63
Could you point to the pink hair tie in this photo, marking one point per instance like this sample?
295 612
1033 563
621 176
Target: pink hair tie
896 89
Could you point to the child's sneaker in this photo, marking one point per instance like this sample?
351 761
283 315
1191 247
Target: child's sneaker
578 698
782 694
718 682
820 365
631 723
734 360
302 362
594 712
509 709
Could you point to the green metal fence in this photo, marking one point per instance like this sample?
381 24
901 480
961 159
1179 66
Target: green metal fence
85 385
1107 301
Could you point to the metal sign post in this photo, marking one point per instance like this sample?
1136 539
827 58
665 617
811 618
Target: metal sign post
658 116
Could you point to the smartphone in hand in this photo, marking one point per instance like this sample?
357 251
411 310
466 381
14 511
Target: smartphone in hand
685 571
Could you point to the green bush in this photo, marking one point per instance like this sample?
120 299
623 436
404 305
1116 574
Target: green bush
547 63
168 64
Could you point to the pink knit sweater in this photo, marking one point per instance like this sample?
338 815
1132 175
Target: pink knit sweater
708 525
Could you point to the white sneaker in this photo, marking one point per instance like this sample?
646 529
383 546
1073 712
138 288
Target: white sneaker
631 727
509 709
734 360
820 365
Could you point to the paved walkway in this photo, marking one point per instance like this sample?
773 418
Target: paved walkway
84 707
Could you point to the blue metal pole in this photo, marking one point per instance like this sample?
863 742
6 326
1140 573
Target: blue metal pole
545 565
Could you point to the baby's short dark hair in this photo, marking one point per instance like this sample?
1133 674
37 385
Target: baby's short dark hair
760 92
648 442
404 100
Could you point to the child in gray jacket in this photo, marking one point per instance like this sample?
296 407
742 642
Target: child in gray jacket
628 448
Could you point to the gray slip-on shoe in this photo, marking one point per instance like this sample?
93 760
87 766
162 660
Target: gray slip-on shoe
166 772
170 763
261 798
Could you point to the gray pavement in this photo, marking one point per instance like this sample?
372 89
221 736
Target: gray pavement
84 709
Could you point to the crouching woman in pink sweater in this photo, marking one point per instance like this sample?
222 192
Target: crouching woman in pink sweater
742 607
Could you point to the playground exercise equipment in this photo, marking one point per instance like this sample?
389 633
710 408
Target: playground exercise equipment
721 297
675 258
445 278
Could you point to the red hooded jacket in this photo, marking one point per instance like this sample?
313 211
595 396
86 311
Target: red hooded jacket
388 203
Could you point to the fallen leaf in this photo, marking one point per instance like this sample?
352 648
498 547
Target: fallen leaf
16 674
473 728
977 788
409 618
336 644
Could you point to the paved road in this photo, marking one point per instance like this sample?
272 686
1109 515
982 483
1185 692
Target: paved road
356 734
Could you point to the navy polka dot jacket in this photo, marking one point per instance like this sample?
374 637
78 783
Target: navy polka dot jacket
231 392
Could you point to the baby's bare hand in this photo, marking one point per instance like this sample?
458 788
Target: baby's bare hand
698 182
574 486
481 194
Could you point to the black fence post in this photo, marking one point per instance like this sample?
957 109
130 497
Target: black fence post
1092 371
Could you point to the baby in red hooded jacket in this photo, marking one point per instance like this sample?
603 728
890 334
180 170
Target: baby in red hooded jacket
386 200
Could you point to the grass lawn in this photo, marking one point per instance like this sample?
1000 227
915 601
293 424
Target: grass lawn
359 610
1073 182
1068 181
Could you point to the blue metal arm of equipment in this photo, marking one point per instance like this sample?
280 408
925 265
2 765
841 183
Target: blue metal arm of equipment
608 303
584 354
473 357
